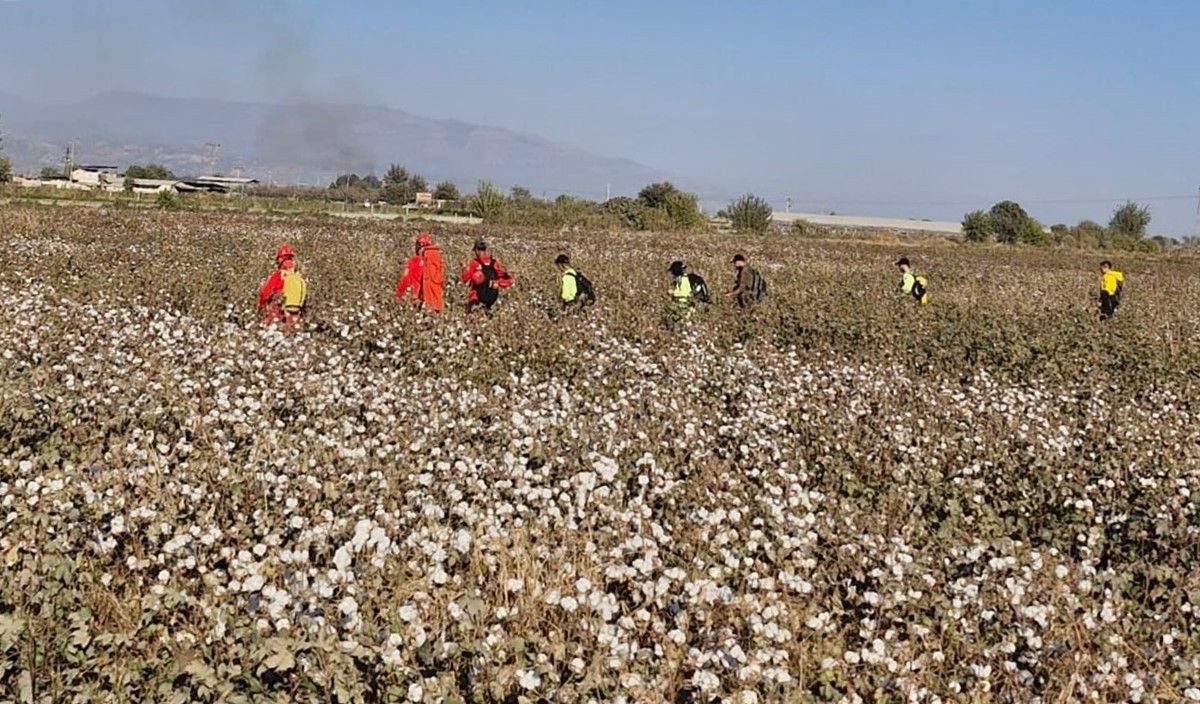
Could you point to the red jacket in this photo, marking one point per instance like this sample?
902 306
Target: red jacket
272 286
423 274
503 278
410 280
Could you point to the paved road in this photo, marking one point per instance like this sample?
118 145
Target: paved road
867 221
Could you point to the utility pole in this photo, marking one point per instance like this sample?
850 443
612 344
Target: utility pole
607 192
69 159
787 208
1198 211
212 148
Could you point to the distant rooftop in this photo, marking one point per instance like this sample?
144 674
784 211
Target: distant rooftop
227 180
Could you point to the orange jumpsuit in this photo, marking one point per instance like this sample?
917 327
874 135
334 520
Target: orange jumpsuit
423 275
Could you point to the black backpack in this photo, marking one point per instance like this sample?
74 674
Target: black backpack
699 288
758 285
919 288
486 293
585 292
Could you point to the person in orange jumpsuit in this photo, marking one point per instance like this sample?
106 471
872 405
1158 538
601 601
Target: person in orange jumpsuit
270 305
423 275
485 277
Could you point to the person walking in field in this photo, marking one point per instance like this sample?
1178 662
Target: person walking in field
575 290
485 278
749 286
283 296
912 283
686 290
424 276
1111 284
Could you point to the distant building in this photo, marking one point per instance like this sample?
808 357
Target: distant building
424 200
58 182
95 176
223 184
154 185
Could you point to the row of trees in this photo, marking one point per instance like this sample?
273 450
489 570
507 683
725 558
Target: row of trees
398 186
658 206
1008 223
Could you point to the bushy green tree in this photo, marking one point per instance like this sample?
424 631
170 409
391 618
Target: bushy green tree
352 188
1032 232
1089 234
5 169
682 211
520 193
167 200
571 209
50 172
446 190
401 187
749 214
629 212
655 195
1009 221
977 226
154 171
488 203
1130 220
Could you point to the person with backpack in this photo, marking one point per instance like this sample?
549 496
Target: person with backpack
284 294
912 283
575 289
1111 284
749 286
686 290
485 277
424 276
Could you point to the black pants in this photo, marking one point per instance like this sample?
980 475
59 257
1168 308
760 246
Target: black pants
1108 305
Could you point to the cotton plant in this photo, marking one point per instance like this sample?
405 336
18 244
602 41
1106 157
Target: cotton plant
800 503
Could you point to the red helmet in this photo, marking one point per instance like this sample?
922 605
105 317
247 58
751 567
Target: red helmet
284 252
424 240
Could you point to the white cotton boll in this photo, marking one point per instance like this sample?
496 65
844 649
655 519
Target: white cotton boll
569 603
342 559
409 612
528 679
253 583
416 693
512 586
705 681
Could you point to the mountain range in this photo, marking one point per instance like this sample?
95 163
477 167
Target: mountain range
304 143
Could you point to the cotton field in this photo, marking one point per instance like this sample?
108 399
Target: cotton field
837 496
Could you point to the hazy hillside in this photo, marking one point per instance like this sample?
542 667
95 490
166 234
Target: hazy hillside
303 143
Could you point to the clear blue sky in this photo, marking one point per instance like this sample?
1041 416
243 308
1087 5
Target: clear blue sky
895 108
